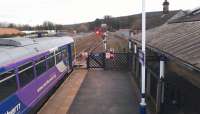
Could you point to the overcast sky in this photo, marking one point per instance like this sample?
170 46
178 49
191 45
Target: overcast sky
74 11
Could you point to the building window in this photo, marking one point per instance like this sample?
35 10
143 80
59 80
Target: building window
8 84
40 66
26 74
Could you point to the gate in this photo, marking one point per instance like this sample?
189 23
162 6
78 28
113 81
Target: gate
96 60
118 61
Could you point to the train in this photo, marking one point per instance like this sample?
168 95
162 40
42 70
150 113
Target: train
30 69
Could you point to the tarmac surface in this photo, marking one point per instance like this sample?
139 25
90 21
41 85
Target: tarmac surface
106 92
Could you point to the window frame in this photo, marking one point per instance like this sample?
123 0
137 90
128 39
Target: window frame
20 71
12 77
8 77
39 61
58 60
50 56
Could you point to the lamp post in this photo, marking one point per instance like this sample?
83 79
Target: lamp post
143 103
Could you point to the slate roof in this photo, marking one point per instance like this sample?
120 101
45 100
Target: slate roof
180 40
189 17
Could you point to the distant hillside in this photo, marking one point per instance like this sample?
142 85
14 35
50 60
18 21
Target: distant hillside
154 19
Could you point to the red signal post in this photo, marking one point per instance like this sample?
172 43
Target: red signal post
111 54
97 33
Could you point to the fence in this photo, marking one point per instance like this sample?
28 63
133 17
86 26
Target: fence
118 61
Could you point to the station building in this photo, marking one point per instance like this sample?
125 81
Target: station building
173 64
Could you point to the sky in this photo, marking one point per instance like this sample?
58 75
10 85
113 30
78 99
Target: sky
35 12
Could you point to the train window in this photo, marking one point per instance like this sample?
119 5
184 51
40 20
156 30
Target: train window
40 66
26 74
58 57
64 54
51 61
8 84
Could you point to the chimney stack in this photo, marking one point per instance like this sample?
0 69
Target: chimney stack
165 7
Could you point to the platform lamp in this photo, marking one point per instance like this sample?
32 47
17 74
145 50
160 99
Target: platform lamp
143 102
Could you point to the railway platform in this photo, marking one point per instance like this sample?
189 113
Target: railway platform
61 100
94 92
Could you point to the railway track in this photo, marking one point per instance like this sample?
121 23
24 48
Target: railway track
86 44
94 43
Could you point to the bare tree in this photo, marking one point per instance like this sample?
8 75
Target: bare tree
47 25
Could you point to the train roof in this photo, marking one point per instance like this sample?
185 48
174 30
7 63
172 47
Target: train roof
14 49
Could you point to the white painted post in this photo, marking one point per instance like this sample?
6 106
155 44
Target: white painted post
135 48
143 103
162 66
129 44
105 41
105 27
105 47
162 73
160 87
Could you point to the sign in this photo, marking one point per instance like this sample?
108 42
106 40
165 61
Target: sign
96 54
104 25
111 56
141 57
107 55
84 54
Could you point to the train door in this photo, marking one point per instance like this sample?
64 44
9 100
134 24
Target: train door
69 50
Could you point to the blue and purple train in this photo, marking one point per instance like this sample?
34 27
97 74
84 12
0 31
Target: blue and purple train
30 69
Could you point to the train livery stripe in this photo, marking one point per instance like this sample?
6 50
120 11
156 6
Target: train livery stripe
38 87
